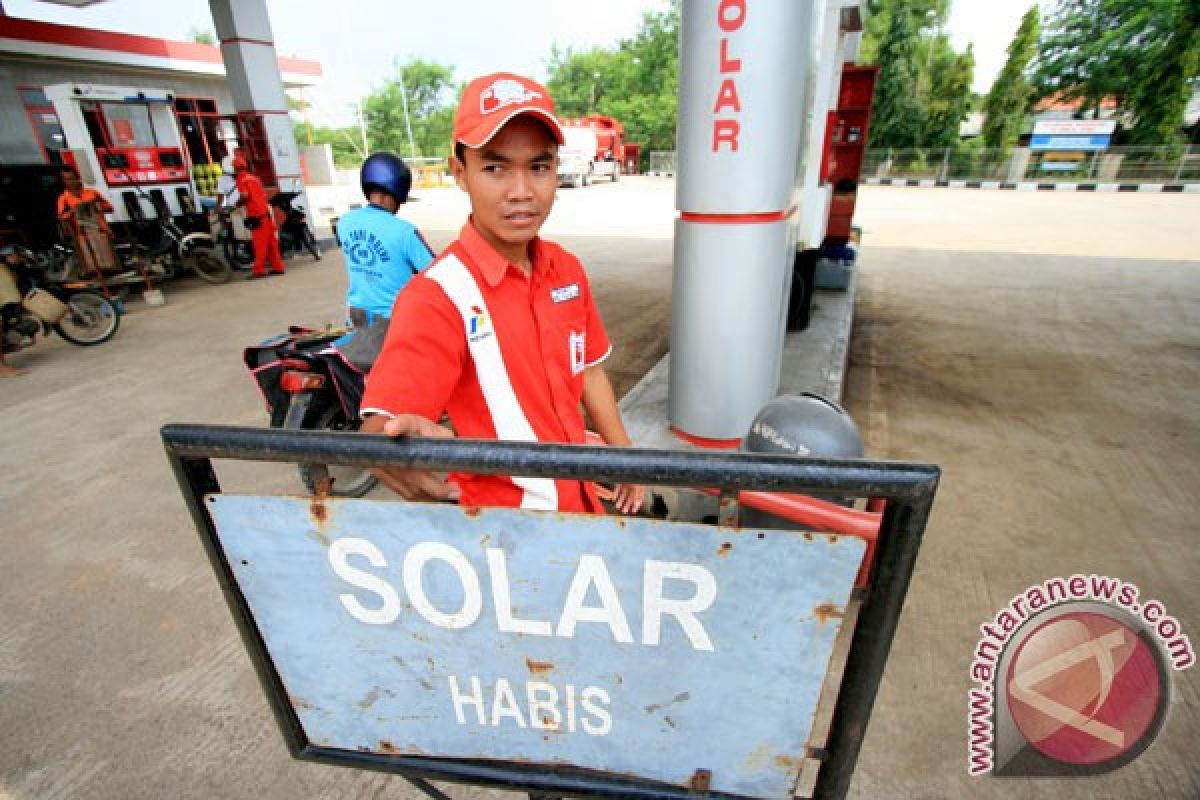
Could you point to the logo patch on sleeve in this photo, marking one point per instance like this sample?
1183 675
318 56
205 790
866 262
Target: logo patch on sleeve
564 293
578 345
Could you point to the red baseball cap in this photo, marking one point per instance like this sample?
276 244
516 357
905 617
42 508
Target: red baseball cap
491 101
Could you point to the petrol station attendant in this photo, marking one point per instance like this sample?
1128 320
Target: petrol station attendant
253 196
501 332
74 195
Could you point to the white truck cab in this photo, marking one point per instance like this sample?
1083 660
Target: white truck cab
576 158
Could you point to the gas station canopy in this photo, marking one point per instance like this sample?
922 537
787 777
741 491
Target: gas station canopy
71 43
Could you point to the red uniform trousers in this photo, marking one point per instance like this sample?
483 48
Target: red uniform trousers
266 247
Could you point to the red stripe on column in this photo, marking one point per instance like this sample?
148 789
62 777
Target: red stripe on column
756 218
710 444
242 40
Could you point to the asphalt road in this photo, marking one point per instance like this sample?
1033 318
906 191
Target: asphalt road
1056 391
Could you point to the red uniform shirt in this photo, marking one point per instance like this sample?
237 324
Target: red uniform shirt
251 188
502 353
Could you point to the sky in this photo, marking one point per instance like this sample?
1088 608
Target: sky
358 42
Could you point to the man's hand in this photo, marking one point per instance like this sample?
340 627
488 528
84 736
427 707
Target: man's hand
412 484
601 405
628 497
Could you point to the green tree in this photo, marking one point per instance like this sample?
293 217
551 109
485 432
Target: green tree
636 82
928 13
1164 79
201 36
1139 54
897 118
1012 92
1082 55
924 87
429 91
579 80
949 98
346 143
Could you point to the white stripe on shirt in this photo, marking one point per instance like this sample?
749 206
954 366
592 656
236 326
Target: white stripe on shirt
508 417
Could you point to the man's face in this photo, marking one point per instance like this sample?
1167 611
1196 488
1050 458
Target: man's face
511 181
71 181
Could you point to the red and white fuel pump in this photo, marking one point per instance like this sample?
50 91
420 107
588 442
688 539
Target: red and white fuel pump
122 139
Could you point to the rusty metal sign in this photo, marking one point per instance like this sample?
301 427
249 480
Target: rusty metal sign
571 655
625 645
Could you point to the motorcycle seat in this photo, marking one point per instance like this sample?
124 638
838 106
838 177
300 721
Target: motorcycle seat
310 357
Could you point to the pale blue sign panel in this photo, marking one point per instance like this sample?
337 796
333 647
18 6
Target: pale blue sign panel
632 646
1046 141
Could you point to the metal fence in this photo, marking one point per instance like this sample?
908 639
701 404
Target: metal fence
660 162
1165 164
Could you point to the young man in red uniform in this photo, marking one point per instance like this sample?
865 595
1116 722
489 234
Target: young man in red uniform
254 198
501 332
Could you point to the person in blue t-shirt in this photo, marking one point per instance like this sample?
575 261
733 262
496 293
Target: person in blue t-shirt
382 253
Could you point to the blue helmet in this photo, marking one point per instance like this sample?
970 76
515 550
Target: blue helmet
385 172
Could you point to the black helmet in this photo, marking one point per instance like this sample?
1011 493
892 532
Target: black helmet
804 424
385 172
800 425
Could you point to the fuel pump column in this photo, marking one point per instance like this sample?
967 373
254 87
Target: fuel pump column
744 75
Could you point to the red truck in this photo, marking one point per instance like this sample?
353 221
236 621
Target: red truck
613 156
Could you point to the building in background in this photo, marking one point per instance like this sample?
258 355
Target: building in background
35 54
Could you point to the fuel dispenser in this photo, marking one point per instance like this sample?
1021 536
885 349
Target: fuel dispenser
845 144
122 139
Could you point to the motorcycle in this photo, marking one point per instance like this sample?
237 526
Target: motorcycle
294 234
76 310
57 262
60 265
174 251
165 248
308 385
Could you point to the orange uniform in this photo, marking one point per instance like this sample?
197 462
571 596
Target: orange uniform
68 201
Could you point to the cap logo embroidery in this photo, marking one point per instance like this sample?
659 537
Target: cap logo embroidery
504 92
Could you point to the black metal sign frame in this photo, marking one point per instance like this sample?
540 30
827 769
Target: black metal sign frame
909 489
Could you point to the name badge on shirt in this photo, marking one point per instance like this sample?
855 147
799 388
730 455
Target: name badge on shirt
564 293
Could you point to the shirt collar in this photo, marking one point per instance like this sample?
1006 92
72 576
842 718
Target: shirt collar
492 265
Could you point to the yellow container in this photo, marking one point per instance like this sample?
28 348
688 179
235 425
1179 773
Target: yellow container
44 305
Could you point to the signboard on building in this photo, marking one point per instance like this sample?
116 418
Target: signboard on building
1072 134
656 650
